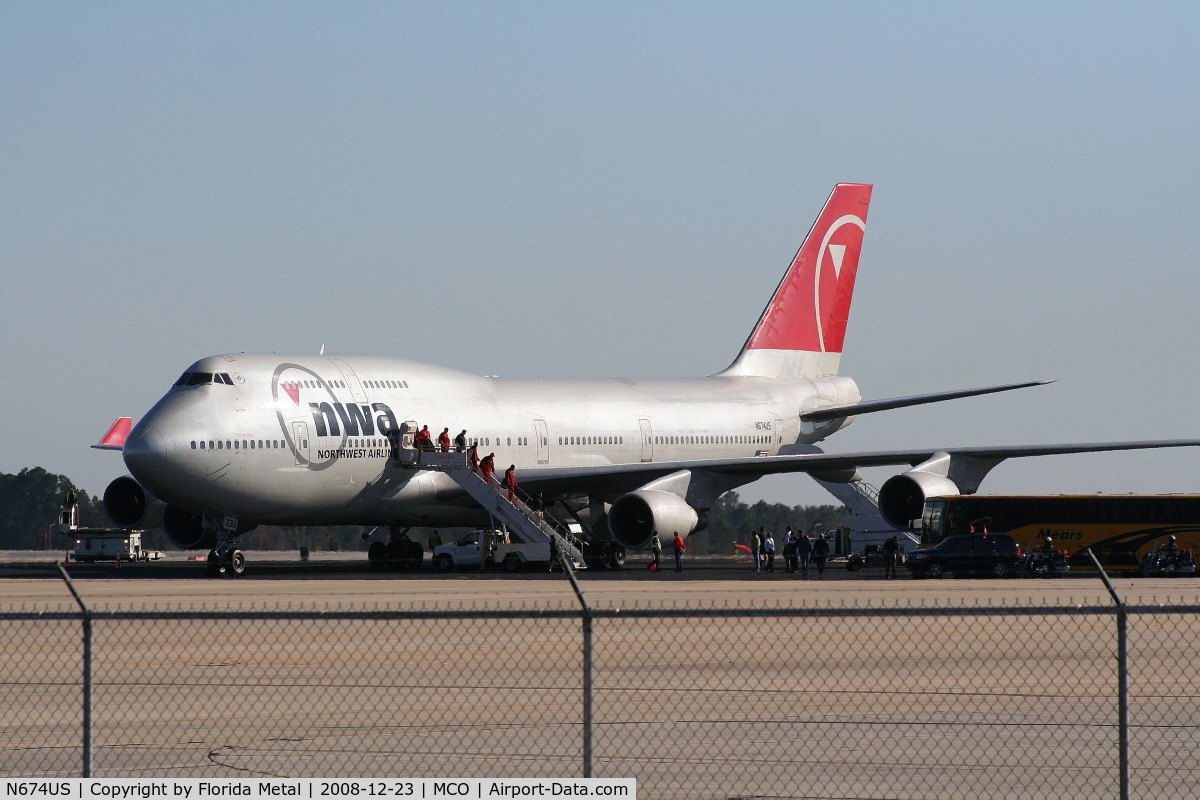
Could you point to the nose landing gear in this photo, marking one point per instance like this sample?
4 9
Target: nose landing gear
225 560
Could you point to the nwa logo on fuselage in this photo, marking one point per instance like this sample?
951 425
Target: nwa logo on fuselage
355 420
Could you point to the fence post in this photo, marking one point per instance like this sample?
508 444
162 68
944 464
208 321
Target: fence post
87 674
586 615
1122 678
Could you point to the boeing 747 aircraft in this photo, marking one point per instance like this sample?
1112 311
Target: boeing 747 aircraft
243 440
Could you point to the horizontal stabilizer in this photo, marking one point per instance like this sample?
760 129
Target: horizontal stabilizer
827 413
116 436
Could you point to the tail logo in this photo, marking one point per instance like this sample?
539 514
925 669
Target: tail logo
828 291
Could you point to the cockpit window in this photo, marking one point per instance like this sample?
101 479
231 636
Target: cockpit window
203 378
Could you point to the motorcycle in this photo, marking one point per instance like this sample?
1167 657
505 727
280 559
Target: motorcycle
1160 562
1040 564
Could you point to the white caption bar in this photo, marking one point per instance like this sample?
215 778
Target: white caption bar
316 789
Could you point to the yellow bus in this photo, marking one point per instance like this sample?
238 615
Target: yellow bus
1119 529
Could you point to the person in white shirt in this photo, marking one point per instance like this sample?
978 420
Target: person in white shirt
769 549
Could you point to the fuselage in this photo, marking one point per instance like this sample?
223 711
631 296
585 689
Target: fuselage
304 439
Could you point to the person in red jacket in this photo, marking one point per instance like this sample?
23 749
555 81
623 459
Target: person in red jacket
422 439
679 546
474 453
444 440
510 482
487 467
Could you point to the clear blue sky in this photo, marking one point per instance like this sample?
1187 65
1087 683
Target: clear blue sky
568 189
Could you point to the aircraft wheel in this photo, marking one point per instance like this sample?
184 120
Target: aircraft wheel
394 556
616 557
377 556
213 566
236 568
414 554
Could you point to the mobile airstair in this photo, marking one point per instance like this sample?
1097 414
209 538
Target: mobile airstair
522 521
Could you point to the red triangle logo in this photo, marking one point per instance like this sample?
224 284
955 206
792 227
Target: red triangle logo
293 391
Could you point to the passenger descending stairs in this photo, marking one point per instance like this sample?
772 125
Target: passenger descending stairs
529 525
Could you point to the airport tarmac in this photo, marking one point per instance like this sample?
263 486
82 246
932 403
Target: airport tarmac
281 580
1012 704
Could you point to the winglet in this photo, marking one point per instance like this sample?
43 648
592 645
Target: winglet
116 436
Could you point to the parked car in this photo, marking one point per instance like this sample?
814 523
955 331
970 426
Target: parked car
992 554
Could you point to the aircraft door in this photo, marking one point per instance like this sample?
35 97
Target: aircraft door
778 432
647 439
300 442
352 381
542 440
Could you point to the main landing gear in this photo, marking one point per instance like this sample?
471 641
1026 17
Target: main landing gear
400 554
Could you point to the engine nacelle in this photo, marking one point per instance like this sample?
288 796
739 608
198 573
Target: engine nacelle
635 516
130 506
902 497
186 530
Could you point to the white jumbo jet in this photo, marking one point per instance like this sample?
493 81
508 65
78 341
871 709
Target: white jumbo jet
242 440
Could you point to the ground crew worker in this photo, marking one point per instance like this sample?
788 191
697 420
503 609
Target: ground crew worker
510 482
656 551
435 540
679 545
487 467
444 440
890 548
460 441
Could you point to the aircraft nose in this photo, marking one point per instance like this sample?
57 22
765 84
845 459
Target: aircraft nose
145 453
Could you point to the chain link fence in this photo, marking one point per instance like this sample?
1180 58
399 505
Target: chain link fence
900 702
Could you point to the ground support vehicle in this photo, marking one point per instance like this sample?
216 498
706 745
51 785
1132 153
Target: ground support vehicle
993 554
109 544
1162 563
512 557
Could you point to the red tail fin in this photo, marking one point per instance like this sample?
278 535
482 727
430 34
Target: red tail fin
809 309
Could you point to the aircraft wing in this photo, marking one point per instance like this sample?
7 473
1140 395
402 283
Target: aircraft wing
608 478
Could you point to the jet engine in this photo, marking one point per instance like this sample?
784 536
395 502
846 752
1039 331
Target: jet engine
902 497
130 506
186 530
634 516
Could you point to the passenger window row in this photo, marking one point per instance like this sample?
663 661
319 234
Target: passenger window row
486 441
239 444
575 440
744 439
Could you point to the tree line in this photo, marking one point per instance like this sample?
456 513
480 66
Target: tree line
30 501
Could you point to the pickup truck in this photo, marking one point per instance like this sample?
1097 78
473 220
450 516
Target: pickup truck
512 557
